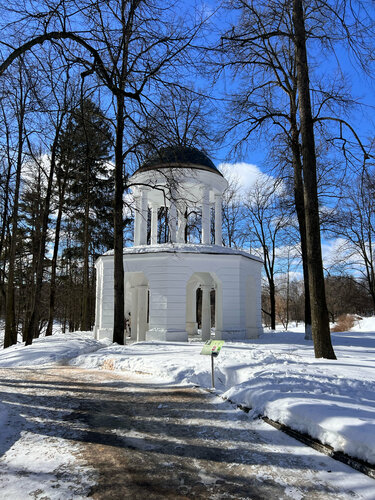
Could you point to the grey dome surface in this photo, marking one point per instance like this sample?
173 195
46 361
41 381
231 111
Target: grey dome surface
179 156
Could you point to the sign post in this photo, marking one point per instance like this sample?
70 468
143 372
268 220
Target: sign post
212 348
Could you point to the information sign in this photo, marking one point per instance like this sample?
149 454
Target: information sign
212 347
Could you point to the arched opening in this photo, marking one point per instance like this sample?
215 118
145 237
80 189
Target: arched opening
203 305
199 297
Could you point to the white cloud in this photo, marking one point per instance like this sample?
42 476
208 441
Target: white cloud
29 170
246 174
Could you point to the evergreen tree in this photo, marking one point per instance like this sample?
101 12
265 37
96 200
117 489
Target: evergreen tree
31 207
84 152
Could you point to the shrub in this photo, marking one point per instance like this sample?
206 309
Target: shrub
344 323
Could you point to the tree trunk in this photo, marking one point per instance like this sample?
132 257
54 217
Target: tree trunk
4 230
272 305
319 313
119 309
52 295
33 327
10 337
5 215
85 324
300 210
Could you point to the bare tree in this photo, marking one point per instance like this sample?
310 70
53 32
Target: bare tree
181 117
55 106
22 89
270 102
356 224
7 163
127 44
319 311
233 213
267 222
270 40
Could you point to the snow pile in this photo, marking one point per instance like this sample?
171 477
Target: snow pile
57 349
277 376
364 325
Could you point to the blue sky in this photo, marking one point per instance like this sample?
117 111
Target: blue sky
362 88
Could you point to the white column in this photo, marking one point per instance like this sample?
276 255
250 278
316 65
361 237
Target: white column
154 224
206 216
142 312
218 312
134 313
191 309
206 312
181 225
143 217
218 220
137 219
172 221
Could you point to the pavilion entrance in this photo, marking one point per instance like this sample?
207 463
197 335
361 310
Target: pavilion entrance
203 304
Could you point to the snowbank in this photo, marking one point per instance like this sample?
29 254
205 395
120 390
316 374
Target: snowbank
57 349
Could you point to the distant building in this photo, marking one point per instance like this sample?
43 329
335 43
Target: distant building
162 279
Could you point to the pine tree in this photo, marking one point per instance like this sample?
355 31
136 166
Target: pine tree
85 150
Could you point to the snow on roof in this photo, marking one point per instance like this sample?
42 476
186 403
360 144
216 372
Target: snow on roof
185 248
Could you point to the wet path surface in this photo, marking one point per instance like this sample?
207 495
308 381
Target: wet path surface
104 435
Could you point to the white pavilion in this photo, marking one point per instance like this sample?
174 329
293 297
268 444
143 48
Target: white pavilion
162 279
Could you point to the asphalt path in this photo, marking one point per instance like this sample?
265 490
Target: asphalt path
74 433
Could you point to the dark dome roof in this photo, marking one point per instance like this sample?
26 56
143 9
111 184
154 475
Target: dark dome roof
179 156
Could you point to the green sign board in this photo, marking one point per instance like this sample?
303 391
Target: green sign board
212 347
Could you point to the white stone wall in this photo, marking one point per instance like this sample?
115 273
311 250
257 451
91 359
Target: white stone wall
166 274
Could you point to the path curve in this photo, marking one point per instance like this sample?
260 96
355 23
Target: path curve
106 435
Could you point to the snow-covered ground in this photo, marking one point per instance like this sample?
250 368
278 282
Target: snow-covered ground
275 375
57 349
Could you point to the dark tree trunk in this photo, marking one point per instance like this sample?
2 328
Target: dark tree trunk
308 328
300 210
319 313
272 305
33 327
119 307
4 230
85 324
5 215
10 336
370 276
52 296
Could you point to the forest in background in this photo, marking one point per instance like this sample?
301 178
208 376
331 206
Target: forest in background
88 90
